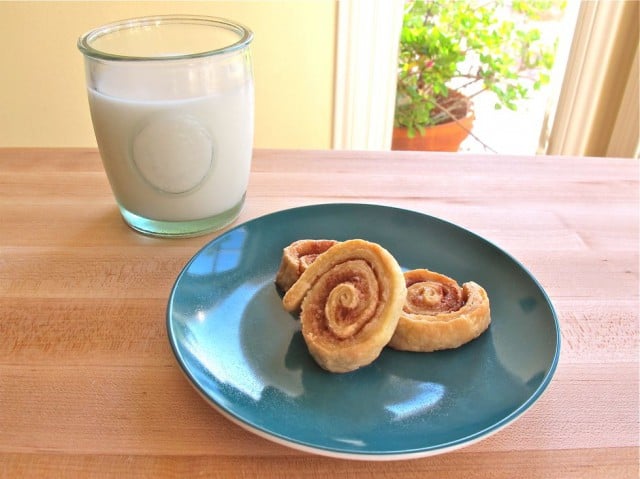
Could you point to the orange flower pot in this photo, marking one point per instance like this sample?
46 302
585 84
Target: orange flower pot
443 137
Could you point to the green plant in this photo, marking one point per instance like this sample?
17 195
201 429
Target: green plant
468 47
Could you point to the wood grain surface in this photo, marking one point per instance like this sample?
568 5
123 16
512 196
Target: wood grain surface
89 386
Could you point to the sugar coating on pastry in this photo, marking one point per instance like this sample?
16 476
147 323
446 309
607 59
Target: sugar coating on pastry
439 314
350 299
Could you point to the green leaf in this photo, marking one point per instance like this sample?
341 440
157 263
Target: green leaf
439 36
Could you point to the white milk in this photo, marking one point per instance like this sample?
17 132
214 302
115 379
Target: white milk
177 160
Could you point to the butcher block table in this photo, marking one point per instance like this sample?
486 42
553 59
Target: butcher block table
90 387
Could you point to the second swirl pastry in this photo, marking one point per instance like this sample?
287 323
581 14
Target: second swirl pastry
439 314
350 299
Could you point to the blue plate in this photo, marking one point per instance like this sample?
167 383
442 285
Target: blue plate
246 356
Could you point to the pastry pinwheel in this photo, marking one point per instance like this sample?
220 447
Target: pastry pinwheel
350 299
439 314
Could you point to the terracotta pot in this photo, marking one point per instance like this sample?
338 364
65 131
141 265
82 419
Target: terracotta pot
443 137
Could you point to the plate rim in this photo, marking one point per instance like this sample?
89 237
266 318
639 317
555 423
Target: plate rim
335 452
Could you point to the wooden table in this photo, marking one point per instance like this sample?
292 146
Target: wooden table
89 385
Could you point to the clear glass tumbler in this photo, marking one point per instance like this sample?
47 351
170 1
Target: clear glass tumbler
172 106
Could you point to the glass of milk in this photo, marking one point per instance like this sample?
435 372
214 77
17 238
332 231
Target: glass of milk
172 105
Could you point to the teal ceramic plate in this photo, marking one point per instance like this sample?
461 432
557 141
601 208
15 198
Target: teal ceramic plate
246 356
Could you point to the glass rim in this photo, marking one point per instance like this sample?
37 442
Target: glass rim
85 41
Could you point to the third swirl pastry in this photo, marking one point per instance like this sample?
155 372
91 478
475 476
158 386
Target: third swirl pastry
350 300
439 314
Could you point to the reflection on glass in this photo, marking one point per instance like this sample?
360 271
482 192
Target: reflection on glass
222 342
247 356
226 256
353 442
417 397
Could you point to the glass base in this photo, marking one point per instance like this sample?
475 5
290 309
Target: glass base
181 229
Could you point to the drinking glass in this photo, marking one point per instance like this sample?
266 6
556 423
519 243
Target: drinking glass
172 106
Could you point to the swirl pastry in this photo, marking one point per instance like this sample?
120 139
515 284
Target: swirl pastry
439 314
297 257
350 299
